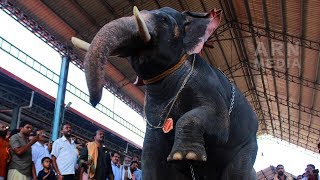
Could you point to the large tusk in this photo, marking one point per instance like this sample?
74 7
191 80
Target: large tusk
81 44
142 27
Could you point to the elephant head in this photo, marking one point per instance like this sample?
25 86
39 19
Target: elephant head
153 40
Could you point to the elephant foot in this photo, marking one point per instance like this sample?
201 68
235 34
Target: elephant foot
196 152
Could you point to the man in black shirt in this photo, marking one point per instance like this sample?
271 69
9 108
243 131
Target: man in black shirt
94 160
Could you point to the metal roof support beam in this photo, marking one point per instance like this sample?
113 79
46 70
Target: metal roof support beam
284 30
109 8
301 144
85 13
302 56
301 136
233 68
243 54
223 53
314 95
260 31
182 6
258 57
62 18
203 6
295 124
225 60
315 155
266 23
188 8
209 60
158 3
281 75
292 105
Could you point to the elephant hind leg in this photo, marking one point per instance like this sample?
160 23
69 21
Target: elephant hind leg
241 167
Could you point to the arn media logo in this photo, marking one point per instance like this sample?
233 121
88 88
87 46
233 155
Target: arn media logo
278 60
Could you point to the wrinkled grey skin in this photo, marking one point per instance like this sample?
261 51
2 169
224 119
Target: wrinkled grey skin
219 146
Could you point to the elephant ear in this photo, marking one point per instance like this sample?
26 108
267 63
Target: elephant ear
198 28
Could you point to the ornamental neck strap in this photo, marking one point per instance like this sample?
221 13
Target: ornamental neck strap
168 71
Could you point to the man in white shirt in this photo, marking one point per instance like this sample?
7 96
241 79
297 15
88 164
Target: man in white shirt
115 158
125 172
39 151
64 155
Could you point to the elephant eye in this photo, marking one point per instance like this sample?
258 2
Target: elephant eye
164 19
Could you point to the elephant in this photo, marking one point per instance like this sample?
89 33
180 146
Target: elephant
199 125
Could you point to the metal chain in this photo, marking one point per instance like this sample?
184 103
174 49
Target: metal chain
233 92
192 172
232 98
172 101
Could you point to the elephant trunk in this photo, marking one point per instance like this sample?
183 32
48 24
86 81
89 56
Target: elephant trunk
115 38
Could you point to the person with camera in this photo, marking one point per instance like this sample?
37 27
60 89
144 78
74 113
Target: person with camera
21 162
39 151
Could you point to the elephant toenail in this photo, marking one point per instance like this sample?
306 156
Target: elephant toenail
191 156
204 158
177 156
168 158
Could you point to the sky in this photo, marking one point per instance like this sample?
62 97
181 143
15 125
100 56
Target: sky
271 151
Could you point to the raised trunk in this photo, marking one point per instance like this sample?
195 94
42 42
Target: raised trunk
115 38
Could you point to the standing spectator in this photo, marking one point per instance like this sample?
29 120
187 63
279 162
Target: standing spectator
4 151
125 169
46 172
114 164
136 172
281 174
64 155
21 162
137 158
39 151
93 155
311 172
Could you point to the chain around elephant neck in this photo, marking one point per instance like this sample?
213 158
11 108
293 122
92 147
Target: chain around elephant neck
233 89
172 101
233 92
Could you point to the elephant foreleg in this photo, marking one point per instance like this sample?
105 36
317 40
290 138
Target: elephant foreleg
189 133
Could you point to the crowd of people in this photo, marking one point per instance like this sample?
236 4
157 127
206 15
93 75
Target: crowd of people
311 173
25 155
